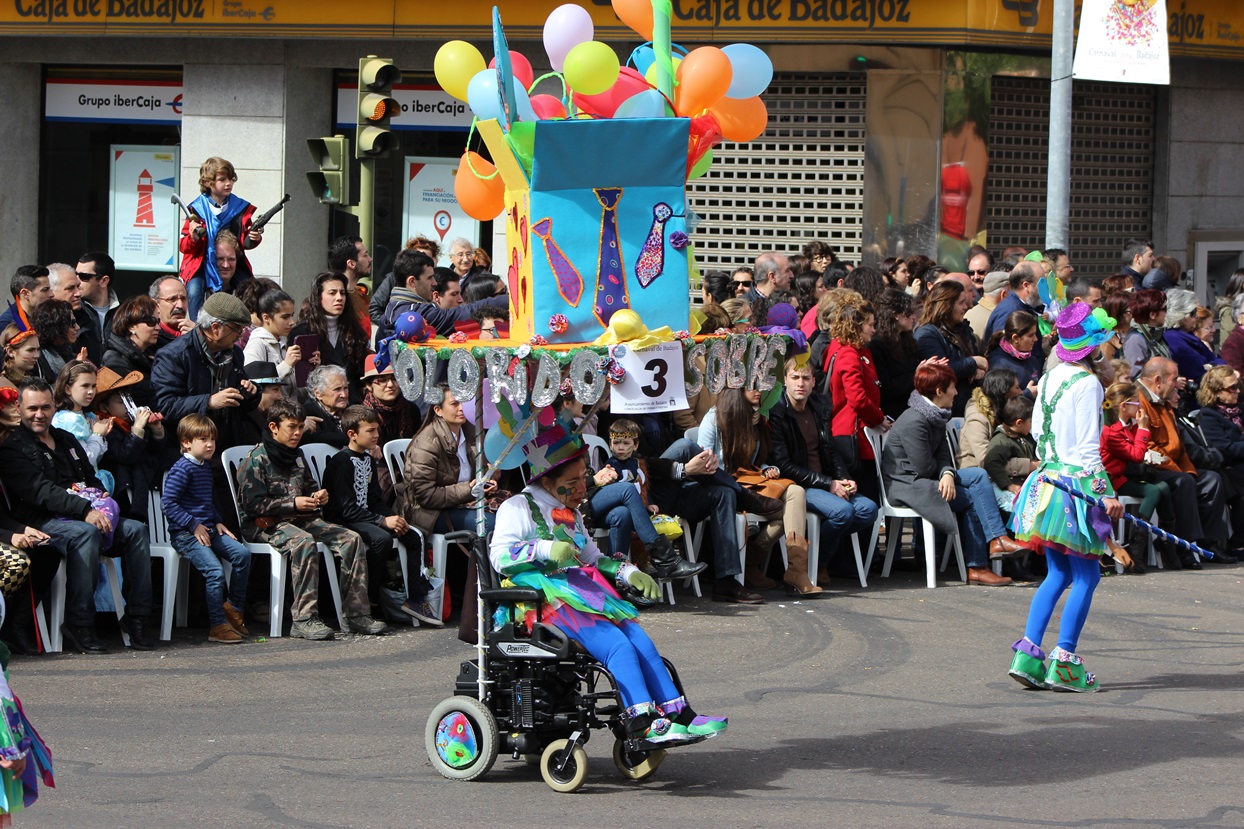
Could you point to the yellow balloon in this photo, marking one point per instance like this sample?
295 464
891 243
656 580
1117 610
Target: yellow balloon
651 75
591 68
456 63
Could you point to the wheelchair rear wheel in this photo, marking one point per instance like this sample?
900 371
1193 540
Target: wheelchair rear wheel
571 776
461 738
636 765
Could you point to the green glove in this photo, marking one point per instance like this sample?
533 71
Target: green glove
563 553
645 584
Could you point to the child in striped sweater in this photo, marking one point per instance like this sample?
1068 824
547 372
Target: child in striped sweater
198 533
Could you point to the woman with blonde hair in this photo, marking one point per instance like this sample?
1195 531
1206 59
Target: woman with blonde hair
854 389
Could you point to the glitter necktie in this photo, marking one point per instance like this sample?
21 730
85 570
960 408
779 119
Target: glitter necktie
652 258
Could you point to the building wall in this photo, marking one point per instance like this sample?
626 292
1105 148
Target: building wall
1199 177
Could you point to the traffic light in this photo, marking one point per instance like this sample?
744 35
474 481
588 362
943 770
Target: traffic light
331 184
376 106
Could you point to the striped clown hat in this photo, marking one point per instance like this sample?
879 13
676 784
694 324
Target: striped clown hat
1081 328
552 448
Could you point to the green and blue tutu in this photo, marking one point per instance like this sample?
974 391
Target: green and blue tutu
1045 516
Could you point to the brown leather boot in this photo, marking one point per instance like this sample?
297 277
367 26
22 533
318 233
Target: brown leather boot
822 577
796 575
754 577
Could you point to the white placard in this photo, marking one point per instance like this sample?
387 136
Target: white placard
429 206
143 225
1123 43
117 102
423 108
653 383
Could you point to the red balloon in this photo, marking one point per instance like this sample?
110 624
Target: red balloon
520 66
548 107
629 83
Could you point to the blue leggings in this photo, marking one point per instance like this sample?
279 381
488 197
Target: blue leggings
626 651
1082 574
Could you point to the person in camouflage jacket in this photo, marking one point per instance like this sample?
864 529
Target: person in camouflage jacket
279 504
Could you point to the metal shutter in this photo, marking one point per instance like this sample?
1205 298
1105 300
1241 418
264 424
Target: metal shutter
1111 168
802 180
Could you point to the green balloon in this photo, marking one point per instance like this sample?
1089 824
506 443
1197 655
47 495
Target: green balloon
701 166
522 140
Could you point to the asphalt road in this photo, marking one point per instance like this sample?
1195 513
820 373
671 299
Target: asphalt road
885 707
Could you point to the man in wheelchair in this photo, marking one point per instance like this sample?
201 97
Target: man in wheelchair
540 543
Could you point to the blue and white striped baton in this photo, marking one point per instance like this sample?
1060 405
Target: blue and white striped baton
1127 516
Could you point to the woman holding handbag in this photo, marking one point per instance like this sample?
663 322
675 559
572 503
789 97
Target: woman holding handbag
739 435
854 390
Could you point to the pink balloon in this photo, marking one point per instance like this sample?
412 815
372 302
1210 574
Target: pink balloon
548 107
565 28
629 83
520 66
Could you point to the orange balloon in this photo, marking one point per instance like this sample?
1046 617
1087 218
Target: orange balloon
481 199
637 14
741 119
703 78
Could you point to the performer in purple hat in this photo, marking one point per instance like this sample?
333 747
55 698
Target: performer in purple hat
1066 424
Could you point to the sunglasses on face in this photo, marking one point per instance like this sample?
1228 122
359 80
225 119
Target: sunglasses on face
977 273
743 283
86 276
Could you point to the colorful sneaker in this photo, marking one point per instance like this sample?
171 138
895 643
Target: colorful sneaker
1028 665
1067 673
708 726
664 731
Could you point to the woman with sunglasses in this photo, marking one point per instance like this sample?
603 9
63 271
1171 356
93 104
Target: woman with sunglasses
131 345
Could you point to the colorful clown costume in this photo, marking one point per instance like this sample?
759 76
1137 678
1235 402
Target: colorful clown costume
581 602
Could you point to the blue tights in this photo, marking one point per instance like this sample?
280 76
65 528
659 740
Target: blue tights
1082 575
626 651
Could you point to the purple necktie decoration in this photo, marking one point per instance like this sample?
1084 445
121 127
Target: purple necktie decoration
610 275
652 258
569 282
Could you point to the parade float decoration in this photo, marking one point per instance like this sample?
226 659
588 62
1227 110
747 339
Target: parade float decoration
591 185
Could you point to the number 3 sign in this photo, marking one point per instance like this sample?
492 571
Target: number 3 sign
653 383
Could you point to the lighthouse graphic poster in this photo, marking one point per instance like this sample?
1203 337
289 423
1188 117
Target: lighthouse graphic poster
143 225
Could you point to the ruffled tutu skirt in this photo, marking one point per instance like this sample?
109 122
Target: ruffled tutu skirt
1045 516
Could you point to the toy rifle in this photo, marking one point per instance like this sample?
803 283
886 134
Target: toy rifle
263 218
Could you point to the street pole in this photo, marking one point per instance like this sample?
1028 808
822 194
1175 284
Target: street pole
366 210
1058 187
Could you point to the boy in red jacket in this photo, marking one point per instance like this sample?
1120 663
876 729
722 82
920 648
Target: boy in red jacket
216 209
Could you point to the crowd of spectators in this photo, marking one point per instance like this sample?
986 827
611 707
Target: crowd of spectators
104 398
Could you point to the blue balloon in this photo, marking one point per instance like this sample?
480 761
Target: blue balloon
482 96
646 104
752 70
495 442
525 110
642 58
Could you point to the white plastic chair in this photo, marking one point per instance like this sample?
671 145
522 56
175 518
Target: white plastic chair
594 444
395 458
316 456
232 459
176 577
813 534
1123 528
886 512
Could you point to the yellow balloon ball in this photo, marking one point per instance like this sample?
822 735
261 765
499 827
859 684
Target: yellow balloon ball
591 68
456 63
651 75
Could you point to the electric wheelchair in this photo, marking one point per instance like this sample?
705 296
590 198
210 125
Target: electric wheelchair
535 696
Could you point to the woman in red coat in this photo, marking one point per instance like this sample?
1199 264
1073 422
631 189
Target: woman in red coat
1124 442
854 388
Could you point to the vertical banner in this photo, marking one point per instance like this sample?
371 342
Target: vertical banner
429 207
143 225
1123 41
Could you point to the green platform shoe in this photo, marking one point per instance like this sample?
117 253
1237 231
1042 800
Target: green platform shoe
1028 665
1067 673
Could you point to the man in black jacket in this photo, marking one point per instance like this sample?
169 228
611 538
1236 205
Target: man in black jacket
38 464
804 451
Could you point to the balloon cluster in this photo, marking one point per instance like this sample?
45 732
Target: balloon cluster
717 88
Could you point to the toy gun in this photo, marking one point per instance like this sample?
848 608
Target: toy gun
263 218
189 211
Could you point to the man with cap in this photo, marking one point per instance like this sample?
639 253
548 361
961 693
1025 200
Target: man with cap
993 291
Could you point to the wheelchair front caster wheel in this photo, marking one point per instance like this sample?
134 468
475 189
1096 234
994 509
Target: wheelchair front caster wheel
461 738
636 765
571 776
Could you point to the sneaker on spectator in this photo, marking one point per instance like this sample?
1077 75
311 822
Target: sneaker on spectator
225 634
423 611
312 629
367 625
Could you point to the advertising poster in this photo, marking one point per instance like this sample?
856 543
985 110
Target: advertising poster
1123 41
143 225
429 206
